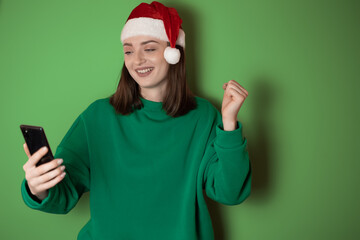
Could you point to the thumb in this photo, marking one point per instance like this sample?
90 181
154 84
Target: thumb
27 150
225 86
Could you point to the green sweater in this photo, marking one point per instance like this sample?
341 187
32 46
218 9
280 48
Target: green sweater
146 171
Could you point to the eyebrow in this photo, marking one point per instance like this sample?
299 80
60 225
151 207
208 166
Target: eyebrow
143 43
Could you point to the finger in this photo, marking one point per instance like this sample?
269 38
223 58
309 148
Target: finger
240 89
51 183
42 179
236 88
238 84
236 93
43 168
35 158
46 167
224 86
27 150
235 83
244 90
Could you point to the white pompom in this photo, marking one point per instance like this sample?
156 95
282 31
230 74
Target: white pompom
172 55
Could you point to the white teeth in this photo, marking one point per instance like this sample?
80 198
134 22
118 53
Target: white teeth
144 70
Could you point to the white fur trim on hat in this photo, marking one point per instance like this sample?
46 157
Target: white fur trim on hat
149 27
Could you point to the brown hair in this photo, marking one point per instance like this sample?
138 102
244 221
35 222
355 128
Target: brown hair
178 99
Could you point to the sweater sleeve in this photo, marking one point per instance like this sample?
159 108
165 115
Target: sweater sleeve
227 175
73 149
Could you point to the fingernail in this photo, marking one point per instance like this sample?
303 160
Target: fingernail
63 174
60 161
44 148
62 168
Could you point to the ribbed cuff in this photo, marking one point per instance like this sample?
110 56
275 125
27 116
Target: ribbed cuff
229 139
30 200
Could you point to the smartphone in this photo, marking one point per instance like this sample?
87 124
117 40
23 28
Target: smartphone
35 139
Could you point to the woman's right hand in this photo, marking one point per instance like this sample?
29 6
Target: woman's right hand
43 177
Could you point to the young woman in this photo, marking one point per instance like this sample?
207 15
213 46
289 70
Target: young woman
147 152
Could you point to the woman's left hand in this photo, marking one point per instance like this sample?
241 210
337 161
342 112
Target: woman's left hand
234 97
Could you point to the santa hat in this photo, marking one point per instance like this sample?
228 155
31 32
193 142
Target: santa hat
158 21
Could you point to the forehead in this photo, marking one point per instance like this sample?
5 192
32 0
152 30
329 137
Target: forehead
142 40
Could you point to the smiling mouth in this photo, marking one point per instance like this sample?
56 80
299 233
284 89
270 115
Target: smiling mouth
143 71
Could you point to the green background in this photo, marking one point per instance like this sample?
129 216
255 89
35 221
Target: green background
299 61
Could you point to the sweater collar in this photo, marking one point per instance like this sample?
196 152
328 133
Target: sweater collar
151 105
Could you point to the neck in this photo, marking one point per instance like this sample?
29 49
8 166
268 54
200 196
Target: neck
155 95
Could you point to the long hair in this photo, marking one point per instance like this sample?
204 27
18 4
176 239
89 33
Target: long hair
178 99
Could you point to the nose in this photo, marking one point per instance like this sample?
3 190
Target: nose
139 58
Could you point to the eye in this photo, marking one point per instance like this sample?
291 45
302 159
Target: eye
127 53
150 50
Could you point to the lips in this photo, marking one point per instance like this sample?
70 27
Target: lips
145 71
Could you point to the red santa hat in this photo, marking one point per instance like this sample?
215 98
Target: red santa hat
158 21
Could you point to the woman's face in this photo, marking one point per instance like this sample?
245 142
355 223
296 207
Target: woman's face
144 59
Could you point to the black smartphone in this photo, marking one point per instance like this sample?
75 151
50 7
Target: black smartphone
35 139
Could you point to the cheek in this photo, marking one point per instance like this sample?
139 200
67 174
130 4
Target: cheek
157 57
127 64
128 67
161 62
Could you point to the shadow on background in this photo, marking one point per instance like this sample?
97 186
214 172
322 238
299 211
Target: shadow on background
259 142
258 148
191 50
83 206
